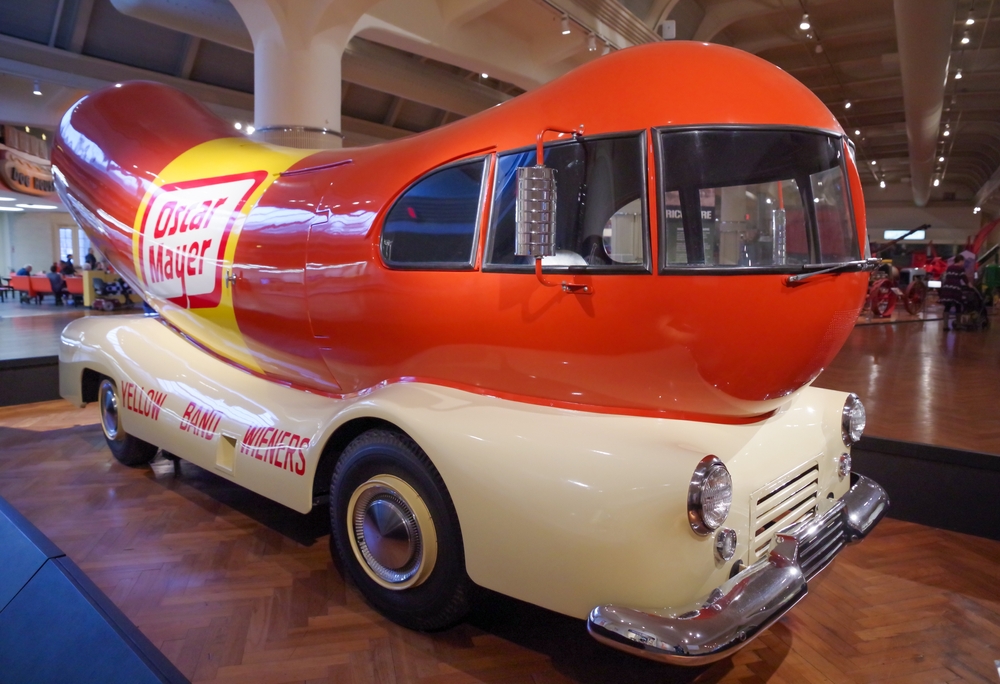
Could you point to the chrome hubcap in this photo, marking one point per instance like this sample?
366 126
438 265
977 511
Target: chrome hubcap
109 411
387 534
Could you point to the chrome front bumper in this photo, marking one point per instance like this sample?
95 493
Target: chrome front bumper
751 601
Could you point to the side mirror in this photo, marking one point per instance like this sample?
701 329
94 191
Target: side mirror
779 237
536 212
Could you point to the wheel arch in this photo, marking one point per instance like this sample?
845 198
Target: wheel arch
336 443
90 382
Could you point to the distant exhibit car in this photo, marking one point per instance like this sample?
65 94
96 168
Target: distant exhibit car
583 383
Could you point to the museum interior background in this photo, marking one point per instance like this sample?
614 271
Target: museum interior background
352 73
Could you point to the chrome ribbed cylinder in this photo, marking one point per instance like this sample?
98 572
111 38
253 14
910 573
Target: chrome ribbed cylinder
536 211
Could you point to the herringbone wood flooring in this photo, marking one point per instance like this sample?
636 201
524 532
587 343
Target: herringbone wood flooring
921 383
233 588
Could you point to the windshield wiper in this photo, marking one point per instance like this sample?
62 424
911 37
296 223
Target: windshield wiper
860 265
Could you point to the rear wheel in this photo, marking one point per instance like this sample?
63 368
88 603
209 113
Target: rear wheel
914 297
127 450
395 531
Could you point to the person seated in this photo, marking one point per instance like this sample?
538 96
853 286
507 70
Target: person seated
58 284
24 270
68 268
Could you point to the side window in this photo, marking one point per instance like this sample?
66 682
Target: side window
434 223
600 206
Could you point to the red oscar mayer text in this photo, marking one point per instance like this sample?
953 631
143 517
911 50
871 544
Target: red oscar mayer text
142 401
200 421
187 258
280 448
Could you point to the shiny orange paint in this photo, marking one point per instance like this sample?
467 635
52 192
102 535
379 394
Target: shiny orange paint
318 309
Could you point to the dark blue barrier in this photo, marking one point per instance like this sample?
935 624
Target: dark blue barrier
57 626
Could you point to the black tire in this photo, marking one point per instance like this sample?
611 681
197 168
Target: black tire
407 592
127 450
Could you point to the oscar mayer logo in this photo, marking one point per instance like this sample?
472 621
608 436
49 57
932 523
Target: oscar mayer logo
182 241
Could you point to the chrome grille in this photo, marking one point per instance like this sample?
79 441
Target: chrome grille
789 500
821 542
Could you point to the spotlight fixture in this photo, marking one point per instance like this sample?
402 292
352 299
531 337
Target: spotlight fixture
965 38
958 75
946 133
118 85
565 25
804 24
606 49
591 43
937 182
881 184
485 75
37 89
250 129
857 131
940 159
238 126
847 105
27 129
874 162
970 20
977 210
43 137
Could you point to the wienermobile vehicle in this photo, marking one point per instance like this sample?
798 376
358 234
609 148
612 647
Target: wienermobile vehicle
583 383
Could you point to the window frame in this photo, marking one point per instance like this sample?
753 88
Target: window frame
812 226
645 268
469 265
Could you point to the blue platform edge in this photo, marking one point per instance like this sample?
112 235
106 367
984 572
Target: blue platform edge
56 625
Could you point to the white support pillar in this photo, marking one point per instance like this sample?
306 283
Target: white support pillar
298 45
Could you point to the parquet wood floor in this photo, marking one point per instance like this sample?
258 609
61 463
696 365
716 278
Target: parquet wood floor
920 383
233 588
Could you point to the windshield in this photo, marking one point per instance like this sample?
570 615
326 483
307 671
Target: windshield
739 198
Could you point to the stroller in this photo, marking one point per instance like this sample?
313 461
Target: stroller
112 295
970 312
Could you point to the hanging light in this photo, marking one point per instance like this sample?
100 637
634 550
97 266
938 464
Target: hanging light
965 38
874 162
946 133
238 126
565 25
958 75
970 20
804 24
940 159
485 75
857 131
606 49
591 43
937 182
881 183
977 210
250 129
847 105
38 89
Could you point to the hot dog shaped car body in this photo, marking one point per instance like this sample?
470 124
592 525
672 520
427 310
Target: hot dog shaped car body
583 383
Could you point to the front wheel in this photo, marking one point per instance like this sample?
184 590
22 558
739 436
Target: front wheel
396 533
127 450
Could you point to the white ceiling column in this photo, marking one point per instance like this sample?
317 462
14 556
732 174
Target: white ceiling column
298 46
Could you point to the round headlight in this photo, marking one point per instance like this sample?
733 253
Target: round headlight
710 495
852 424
